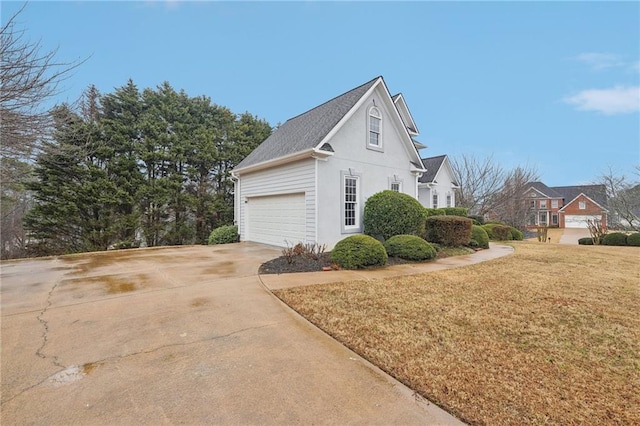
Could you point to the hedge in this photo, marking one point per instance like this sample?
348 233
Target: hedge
479 237
456 211
434 212
634 239
586 241
449 230
477 220
498 231
516 234
447 211
614 239
224 235
390 213
409 247
359 251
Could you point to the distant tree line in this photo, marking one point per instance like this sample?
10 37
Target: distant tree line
136 168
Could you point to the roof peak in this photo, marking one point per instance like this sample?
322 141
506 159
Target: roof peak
336 97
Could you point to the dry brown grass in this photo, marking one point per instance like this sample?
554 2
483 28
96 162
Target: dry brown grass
548 335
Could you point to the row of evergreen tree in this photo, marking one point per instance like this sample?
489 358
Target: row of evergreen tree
137 168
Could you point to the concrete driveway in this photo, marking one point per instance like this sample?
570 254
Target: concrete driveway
184 335
572 235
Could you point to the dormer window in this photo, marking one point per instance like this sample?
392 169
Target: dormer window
375 128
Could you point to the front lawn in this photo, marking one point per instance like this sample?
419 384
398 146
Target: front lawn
550 334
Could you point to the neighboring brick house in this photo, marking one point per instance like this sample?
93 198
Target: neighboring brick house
566 206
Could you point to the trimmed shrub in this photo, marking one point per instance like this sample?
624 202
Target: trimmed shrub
409 247
614 239
434 212
479 236
390 213
516 234
224 235
477 220
358 251
634 239
449 230
586 241
497 231
456 211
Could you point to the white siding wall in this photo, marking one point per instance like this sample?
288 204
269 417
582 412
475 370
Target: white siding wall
376 169
443 188
287 179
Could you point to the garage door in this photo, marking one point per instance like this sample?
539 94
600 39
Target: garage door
276 219
579 221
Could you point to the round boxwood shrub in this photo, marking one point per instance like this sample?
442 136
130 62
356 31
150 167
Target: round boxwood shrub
479 237
516 234
409 247
224 235
634 239
614 239
586 241
497 231
390 213
449 231
358 251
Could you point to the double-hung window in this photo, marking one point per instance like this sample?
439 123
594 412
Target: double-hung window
543 204
395 186
351 212
448 200
435 201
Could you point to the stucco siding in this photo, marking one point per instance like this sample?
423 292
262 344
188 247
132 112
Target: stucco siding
297 177
442 187
375 169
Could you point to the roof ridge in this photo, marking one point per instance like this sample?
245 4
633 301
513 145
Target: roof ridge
334 98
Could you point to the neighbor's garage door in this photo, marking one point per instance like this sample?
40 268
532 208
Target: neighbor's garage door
579 221
276 219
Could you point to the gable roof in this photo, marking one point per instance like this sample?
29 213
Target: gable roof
405 114
596 193
544 190
307 130
433 166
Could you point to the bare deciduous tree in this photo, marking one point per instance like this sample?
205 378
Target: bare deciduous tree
624 198
488 188
28 77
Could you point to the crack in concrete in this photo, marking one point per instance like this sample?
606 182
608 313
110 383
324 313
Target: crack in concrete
119 357
45 333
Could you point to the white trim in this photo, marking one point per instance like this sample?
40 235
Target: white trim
351 229
400 97
408 142
315 178
370 114
307 153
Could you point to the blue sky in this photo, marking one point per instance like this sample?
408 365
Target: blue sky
551 85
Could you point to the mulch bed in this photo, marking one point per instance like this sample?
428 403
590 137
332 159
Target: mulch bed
284 265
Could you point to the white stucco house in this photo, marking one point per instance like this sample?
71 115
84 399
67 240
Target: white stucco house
309 180
436 187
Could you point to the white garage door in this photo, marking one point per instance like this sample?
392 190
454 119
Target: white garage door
276 219
579 221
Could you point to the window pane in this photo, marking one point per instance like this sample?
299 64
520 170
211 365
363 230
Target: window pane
350 197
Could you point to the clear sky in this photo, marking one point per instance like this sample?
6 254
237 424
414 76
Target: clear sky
554 85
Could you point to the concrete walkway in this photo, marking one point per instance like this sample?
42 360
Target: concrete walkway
185 335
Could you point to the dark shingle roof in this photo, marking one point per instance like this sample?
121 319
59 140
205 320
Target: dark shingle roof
306 130
549 192
597 193
432 164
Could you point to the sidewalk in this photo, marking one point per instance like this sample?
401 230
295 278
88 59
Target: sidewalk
280 281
